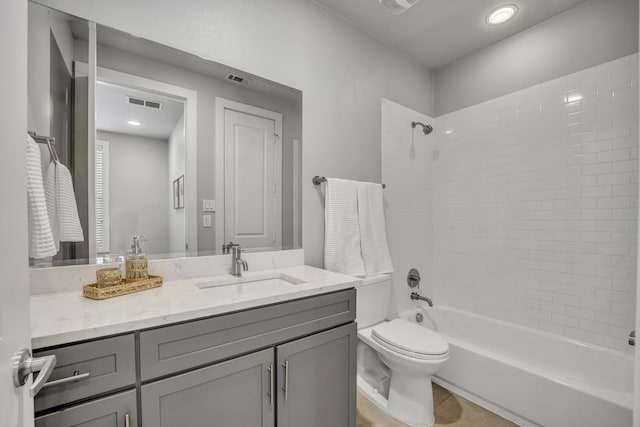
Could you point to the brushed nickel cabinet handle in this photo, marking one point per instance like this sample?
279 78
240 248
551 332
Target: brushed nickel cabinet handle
271 385
285 365
127 421
77 376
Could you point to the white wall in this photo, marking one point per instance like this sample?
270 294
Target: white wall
342 72
138 196
407 172
586 35
177 231
536 205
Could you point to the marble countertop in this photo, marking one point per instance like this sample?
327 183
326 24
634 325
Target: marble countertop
65 317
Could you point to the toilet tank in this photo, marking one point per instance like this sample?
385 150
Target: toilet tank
373 298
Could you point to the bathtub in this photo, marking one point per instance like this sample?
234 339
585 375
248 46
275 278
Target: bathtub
531 377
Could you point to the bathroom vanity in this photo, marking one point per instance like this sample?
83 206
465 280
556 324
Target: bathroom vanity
282 356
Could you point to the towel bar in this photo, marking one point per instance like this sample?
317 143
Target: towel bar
317 180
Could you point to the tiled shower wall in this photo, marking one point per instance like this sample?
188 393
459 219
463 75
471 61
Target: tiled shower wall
535 205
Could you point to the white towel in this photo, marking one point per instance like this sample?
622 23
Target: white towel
342 230
41 243
61 205
373 231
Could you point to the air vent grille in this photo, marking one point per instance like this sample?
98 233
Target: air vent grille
397 6
145 103
237 79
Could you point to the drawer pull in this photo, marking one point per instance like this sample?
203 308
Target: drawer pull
271 396
285 389
127 421
77 376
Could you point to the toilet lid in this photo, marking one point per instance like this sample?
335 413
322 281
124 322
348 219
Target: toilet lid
409 337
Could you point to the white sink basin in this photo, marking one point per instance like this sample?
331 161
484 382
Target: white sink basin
234 286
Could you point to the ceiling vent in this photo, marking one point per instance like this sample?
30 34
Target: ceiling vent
145 103
397 6
237 79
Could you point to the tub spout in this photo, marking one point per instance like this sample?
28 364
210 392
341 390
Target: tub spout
416 296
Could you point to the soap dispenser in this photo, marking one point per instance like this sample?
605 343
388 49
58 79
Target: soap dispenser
137 266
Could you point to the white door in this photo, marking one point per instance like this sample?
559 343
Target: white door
16 407
252 180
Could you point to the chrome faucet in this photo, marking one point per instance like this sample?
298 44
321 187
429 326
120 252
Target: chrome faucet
226 248
416 296
237 263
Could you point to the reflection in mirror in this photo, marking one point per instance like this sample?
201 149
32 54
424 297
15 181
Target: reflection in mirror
227 141
57 108
140 134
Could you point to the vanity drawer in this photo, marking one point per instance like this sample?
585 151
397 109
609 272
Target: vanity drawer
114 411
188 345
109 362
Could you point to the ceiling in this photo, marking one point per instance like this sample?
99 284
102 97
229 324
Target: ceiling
113 111
439 32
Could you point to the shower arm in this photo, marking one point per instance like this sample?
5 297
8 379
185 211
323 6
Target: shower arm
427 129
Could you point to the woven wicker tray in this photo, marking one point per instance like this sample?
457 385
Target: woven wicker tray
93 292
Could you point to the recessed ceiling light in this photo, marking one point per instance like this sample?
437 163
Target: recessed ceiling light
502 14
133 123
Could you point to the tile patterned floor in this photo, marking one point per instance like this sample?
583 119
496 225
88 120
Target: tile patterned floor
451 411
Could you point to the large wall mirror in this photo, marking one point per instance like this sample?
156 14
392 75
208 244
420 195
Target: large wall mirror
189 153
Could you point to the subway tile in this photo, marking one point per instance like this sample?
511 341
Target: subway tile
535 205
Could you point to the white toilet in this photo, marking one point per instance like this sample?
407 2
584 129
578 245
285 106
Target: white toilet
396 358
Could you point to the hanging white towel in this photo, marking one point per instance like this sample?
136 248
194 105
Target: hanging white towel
61 205
342 229
373 231
41 243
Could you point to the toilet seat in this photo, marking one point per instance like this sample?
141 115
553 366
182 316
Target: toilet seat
411 340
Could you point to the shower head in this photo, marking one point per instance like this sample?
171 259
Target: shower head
427 129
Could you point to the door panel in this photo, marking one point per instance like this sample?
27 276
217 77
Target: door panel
317 380
235 393
253 181
16 408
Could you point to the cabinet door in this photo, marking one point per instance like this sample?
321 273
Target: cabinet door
114 411
317 380
235 393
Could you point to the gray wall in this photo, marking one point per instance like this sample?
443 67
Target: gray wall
589 34
138 196
342 72
43 26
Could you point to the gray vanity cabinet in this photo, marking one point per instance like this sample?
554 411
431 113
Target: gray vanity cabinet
290 364
316 378
114 411
235 393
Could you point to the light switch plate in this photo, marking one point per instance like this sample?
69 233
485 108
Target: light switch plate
208 205
206 221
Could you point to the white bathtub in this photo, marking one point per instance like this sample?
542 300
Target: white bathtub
532 377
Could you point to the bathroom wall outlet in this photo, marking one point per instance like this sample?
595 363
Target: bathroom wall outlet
206 221
208 205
